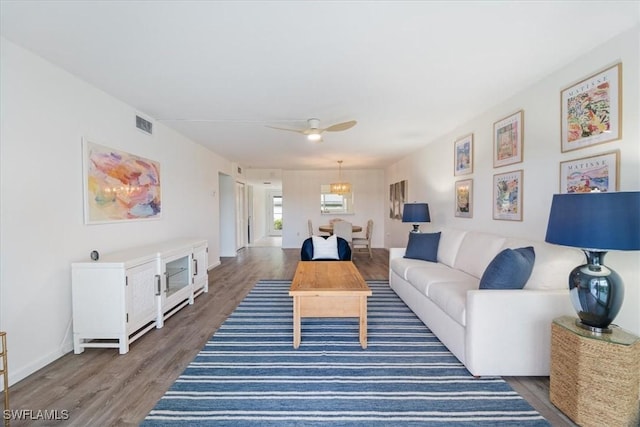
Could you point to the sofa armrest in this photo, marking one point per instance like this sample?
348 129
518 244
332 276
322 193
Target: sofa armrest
508 332
396 253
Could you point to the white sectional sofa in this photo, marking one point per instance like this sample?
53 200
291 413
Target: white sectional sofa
505 332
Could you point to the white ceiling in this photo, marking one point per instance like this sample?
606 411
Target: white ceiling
219 71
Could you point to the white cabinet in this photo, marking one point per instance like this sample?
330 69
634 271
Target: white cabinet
114 301
177 283
200 264
141 283
123 295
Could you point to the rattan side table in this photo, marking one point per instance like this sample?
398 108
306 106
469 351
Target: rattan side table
595 378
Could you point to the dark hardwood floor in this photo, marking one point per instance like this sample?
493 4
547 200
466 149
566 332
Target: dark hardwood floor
102 388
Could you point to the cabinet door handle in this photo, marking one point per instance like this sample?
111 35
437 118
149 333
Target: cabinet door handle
158 284
166 288
195 262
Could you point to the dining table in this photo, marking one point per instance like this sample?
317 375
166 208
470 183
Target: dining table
329 228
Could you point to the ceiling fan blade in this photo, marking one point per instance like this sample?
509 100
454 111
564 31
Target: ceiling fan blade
311 131
341 126
288 129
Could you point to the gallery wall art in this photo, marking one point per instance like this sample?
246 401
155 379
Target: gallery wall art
397 198
508 140
464 198
507 196
595 173
463 155
592 110
119 186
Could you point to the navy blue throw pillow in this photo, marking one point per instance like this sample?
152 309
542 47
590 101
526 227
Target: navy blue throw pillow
423 246
510 269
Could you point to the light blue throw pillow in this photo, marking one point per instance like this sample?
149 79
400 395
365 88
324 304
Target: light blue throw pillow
510 269
423 246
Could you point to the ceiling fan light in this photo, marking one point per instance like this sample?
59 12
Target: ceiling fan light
314 137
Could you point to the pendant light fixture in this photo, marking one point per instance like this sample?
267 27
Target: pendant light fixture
340 187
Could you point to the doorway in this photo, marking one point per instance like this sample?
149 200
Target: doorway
274 213
241 221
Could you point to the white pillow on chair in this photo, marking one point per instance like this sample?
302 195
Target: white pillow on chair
325 248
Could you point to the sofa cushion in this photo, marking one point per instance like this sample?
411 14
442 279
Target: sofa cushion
477 250
325 248
553 263
423 277
401 266
452 298
450 240
423 246
510 269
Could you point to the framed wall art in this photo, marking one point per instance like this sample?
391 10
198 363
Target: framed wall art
464 198
592 110
463 153
119 186
595 173
397 198
508 140
507 196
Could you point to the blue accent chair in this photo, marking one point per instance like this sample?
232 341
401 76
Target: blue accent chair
344 250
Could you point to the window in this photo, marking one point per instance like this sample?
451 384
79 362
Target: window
335 203
277 212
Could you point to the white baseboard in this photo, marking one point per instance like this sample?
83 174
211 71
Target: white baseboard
214 265
21 373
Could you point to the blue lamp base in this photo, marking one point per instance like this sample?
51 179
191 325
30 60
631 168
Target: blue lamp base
596 293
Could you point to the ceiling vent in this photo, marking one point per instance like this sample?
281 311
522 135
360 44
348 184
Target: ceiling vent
144 125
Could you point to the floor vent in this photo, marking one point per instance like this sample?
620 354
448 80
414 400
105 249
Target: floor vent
144 125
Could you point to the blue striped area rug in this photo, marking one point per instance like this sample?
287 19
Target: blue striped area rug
249 374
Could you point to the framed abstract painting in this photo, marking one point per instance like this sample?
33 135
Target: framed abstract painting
119 186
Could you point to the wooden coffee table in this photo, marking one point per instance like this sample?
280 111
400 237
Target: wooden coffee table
329 289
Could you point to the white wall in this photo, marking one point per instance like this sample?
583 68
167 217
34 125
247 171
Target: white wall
301 202
45 113
430 170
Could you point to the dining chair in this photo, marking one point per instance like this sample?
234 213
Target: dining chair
343 229
366 240
319 233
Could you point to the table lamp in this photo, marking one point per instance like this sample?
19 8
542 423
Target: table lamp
416 212
595 222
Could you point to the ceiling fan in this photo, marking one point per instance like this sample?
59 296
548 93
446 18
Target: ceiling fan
314 131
